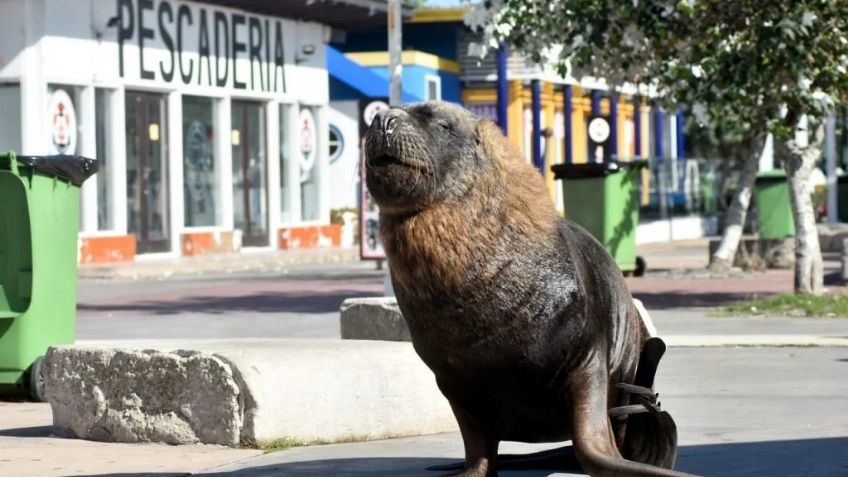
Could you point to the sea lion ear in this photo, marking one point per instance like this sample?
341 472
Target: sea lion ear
496 146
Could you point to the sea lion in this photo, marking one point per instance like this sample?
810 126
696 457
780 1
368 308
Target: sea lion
523 317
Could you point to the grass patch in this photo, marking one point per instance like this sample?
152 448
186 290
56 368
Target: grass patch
283 443
791 304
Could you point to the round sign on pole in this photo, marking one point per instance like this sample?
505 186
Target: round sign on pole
308 140
371 110
599 129
62 123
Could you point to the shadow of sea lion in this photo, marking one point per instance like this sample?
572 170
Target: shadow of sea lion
824 457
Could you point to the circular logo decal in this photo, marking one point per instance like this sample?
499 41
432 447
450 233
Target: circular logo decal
372 109
308 138
599 129
63 123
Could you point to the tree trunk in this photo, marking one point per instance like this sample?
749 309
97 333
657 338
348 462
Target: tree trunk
799 162
724 256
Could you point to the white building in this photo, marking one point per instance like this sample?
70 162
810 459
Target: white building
209 123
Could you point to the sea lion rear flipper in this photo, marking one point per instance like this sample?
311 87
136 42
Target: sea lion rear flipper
651 434
651 438
649 360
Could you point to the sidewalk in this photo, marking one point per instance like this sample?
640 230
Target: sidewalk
263 261
28 450
663 255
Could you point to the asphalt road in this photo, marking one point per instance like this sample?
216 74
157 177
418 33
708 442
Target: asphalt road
301 302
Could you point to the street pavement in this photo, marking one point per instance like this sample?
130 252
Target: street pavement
302 301
741 410
749 411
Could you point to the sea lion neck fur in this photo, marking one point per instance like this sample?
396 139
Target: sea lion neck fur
499 204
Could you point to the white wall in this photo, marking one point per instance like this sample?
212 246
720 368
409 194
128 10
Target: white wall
80 47
10 114
344 171
69 42
12 38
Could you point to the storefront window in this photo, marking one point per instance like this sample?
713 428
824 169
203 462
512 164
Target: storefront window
285 164
199 161
103 135
308 161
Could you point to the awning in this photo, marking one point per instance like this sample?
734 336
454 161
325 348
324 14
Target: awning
360 78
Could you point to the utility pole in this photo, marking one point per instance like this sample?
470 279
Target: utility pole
395 49
830 162
395 84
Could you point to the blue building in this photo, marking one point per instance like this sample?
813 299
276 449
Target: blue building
358 68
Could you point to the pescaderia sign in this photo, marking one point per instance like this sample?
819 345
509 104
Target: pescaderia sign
196 45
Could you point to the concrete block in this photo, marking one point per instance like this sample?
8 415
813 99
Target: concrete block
754 253
831 236
373 319
248 390
337 390
114 395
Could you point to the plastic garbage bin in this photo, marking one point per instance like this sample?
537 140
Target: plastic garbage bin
39 210
774 211
601 197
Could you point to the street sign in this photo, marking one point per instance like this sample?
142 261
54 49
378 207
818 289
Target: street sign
370 246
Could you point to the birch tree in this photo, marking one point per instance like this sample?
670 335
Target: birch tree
760 65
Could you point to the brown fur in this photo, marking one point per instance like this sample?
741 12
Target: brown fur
437 243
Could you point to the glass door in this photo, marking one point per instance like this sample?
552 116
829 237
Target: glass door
147 172
250 197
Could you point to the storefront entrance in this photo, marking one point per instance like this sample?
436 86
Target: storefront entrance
147 172
250 196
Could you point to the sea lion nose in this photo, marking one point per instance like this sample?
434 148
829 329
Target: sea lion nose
388 119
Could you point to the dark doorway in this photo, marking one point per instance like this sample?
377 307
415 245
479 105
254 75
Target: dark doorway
147 171
250 196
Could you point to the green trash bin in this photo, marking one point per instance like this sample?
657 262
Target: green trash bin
601 198
774 210
39 210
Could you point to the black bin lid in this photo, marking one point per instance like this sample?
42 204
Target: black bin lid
74 169
594 169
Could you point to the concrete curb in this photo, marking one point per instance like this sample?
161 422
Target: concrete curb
298 390
220 264
706 341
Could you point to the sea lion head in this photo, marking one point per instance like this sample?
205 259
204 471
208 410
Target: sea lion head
421 154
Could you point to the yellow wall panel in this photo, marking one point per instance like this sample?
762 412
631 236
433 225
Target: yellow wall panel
515 114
